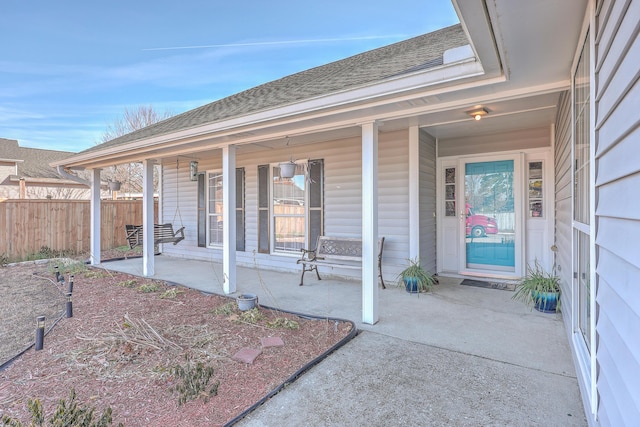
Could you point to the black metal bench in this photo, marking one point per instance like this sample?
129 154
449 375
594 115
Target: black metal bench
162 233
337 252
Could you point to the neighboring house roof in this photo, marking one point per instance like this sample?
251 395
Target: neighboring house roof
32 163
372 67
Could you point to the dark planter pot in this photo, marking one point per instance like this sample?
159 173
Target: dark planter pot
546 302
411 284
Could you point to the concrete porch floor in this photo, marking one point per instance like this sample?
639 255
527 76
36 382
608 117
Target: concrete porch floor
457 356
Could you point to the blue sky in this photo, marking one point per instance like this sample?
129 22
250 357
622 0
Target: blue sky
70 68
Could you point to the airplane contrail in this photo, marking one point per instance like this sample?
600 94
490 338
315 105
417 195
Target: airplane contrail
283 42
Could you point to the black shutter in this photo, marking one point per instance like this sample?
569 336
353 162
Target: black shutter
263 209
316 201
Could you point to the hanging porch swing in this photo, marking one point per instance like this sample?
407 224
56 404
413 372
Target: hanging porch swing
162 233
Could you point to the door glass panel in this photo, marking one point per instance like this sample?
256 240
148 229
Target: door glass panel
450 192
490 216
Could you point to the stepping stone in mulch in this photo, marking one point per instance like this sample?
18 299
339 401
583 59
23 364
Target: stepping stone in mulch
271 342
246 355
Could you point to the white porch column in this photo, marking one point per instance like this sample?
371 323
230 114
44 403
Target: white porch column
370 223
414 192
148 265
94 249
229 218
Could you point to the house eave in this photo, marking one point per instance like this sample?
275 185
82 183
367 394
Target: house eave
331 104
51 181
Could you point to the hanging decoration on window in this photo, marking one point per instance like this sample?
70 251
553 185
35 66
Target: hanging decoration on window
193 168
288 169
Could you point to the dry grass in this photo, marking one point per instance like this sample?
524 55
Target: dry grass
122 344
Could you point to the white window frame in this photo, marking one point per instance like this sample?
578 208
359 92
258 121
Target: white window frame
209 214
273 215
587 364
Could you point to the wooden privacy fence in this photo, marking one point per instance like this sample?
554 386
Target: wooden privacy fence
28 225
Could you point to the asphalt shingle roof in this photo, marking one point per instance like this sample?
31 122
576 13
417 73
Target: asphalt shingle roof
35 162
418 53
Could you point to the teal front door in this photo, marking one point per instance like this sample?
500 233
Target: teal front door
489 216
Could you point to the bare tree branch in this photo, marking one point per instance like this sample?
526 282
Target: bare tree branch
130 175
132 120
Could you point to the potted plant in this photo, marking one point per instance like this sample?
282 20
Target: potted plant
415 278
114 185
288 169
540 289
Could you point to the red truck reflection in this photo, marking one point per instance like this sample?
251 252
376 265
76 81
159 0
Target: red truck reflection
479 225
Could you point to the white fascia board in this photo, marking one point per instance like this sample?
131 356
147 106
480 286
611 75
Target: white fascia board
464 69
186 136
34 180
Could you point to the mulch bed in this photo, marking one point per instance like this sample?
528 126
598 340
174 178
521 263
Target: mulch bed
128 335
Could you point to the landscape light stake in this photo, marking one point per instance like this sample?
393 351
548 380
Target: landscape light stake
39 333
69 305
57 273
70 289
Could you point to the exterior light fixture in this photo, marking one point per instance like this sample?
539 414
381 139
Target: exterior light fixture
39 333
69 306
193 168
478 113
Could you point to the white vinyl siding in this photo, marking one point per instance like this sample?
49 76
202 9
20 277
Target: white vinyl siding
525 139
393 200
617 124
562 175
187 213
427 201
342 200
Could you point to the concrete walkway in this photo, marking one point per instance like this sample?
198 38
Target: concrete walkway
457 356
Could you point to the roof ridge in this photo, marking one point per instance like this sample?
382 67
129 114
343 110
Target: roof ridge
415 54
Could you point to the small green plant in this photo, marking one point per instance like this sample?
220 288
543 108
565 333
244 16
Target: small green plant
4 260
225 309
171 293
67 413
252 316
75 267
95 274
415 278
131 283
284 323
536 284
194 382
149 287
46 252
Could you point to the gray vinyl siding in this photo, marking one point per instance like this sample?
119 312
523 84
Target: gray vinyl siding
617 213
393 200
342 200
427 201
492 143
187 198
562 227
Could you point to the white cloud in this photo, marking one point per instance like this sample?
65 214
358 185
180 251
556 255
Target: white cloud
282 42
